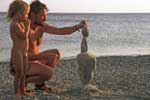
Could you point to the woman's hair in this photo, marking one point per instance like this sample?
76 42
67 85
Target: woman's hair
37 6
15 7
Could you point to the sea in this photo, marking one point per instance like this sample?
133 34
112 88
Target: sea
110 34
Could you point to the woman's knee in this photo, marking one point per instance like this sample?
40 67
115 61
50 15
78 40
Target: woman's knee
19 74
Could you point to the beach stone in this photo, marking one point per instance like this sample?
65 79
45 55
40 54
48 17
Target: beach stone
84 46
86 60
87 66
89 87
85 32
49 97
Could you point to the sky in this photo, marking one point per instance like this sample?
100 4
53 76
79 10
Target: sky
90 6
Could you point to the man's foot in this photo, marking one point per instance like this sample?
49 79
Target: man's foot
43 87
28 91
25 92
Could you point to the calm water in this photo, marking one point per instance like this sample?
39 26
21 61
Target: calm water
110 34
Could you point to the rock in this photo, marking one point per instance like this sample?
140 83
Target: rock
84 46
87 66
89 87
85 32
86 61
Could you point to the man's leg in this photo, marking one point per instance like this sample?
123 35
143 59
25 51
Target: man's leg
51 57
38 73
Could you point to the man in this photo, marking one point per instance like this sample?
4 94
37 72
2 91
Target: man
37 15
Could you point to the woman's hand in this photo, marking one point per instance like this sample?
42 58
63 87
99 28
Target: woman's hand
27 24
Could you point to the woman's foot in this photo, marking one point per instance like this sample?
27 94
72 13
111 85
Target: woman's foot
30 94
17 95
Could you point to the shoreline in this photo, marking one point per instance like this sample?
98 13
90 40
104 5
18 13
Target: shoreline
100 56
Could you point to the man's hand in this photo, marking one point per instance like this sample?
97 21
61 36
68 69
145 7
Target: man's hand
81 25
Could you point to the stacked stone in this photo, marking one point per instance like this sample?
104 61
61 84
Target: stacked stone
86 60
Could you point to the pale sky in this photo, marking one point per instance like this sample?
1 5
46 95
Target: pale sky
90 6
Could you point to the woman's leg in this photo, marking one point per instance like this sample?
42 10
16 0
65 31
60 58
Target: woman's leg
19 82
17 60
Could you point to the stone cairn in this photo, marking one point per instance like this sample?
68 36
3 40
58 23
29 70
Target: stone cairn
86 61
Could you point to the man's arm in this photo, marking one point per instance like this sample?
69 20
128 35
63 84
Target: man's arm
32 57
60 31
39 41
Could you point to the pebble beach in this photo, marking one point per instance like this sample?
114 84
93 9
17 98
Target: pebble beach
116 77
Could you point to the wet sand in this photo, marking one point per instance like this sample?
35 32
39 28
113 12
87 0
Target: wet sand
116 77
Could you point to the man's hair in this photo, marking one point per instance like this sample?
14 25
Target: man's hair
36 6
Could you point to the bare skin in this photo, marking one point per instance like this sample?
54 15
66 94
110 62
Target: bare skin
19 31
46 57
38 73
38 27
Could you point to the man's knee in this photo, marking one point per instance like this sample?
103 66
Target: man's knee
57 53
48 74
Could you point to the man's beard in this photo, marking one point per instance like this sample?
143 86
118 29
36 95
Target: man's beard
40 23
37 23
